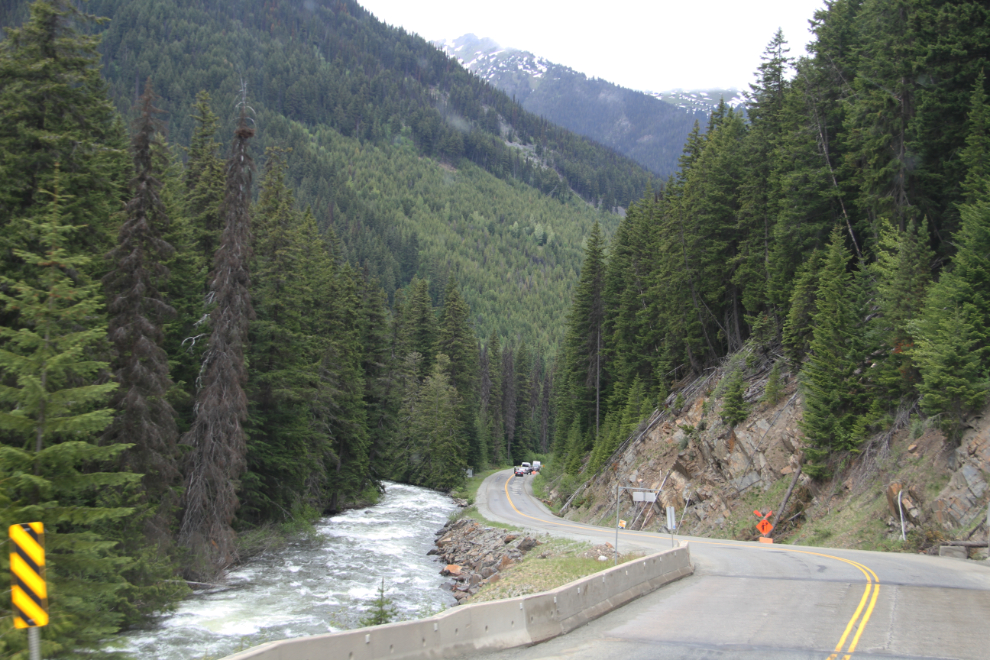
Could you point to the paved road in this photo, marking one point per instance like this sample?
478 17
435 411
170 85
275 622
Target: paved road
752 600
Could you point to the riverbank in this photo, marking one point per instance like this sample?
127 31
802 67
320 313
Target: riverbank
485 563
318 582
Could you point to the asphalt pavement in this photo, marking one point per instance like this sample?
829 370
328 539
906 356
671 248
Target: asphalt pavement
754 600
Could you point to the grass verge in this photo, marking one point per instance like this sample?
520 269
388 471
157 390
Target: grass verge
552 564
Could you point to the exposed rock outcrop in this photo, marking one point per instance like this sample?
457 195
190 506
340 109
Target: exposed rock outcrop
705 468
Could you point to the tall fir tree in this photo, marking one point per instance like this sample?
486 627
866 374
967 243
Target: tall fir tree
57 115
525 431
217 440
953 329
496 418
584 345
832 392
903 273
432 424
138 311
53 408
420 325
456 340
205 181
280 429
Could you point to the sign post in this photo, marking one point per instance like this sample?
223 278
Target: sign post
671 523
638 495
28 590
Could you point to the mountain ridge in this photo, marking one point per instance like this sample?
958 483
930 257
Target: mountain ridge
649 127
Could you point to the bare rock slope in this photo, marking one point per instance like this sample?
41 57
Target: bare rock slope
716 474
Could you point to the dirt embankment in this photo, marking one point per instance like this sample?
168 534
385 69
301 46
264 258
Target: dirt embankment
716 475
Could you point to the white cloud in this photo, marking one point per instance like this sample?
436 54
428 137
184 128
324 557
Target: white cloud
655 45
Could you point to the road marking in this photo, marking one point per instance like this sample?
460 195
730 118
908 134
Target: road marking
872 580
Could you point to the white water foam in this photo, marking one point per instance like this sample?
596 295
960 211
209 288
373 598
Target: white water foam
315 585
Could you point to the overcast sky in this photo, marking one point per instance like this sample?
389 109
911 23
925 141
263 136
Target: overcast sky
652 46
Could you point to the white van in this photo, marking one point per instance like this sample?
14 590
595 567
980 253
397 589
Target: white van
536 466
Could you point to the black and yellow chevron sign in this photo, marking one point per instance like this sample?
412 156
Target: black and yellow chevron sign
28 590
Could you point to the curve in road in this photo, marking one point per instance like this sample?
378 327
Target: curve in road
752 600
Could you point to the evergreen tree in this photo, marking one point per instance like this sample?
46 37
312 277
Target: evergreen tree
53 408
349 474
137 313
953 328
774 388
431 421
279 460
759 190
975 156
832 392
509 402
524 428
420 325
496 417
903 271
383 609
456 340
57 115
381 394
799 325
205 181
217 456
482 422
583 348
734 407
952 363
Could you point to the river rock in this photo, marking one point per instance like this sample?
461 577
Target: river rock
505 563
509 538
451 569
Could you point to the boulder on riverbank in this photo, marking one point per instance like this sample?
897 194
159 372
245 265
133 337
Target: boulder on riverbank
478 553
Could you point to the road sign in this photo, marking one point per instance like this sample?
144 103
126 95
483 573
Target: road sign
28 591
764 526
622 524
644 496
671 518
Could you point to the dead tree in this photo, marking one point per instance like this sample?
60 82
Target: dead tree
217 439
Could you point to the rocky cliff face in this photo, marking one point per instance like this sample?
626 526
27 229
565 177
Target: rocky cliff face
715 474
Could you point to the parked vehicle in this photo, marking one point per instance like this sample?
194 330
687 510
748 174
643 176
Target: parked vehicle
527 467
537 466
520 471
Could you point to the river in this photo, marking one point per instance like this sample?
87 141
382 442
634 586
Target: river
317 584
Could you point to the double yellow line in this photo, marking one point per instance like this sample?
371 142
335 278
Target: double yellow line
861 615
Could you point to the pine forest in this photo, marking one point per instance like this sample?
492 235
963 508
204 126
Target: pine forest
258 259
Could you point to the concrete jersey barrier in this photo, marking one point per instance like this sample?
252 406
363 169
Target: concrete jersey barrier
490 626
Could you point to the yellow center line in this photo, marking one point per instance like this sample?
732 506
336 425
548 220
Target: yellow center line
872 581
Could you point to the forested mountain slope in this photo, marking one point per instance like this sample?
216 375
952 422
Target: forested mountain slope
840 227
329 82
631 122
199 340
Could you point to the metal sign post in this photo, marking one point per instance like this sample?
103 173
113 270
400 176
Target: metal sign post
671 523
28 590
639 495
